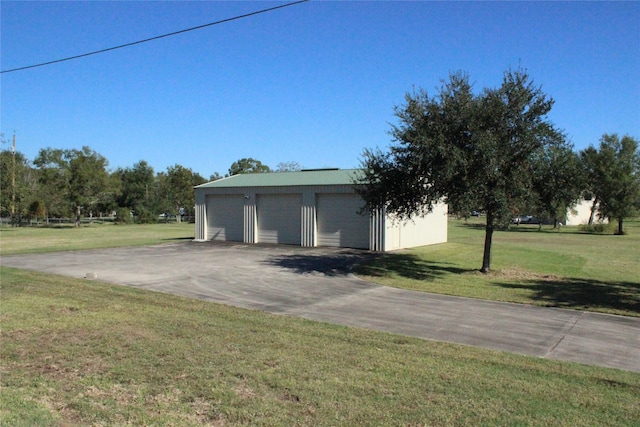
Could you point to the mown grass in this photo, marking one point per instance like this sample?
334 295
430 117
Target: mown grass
569 268
85 353
14 240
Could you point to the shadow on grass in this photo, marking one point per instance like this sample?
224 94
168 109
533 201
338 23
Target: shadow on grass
333 264
474 225
546 228
528 229
583 293
408 266
521 228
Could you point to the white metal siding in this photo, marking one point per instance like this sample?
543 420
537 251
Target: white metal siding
225 217
201 218
279 218
308 237
419 231
339 223
377 229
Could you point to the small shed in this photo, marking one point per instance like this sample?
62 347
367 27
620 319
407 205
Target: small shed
307 208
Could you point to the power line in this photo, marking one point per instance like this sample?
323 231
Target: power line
156 37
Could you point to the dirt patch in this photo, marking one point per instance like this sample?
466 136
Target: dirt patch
64 310
244 391
122 394
518 274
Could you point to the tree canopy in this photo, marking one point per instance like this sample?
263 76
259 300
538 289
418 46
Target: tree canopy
472 151
290 166
72 179
175 189
17 182
248 165
613 172
558 182
76 182
136 185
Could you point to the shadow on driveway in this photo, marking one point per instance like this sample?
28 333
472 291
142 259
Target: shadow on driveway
409 266
334 263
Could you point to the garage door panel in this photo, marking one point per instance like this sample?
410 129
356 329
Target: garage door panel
279 218
225 218
339 221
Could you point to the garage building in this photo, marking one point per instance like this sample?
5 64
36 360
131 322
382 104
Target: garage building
307 208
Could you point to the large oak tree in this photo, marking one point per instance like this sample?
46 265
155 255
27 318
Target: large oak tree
472 151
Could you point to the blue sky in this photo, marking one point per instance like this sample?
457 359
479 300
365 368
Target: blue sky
314 83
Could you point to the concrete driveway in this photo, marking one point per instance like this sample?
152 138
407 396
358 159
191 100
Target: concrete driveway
315 283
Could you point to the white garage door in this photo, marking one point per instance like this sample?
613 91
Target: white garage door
279 218
225 218
339 223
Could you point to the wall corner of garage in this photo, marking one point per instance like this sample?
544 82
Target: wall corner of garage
377 240
250 220
201 217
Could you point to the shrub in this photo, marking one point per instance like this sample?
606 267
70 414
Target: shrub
144 216
37 209
123 216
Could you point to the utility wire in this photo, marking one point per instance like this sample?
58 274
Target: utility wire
157 37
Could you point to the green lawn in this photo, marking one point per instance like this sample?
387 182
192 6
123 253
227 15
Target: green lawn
78 352
67 237
570 269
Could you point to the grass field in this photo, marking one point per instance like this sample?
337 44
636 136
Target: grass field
76 352
84 353
67 237
569 269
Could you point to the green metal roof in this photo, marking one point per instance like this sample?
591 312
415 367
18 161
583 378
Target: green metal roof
281 179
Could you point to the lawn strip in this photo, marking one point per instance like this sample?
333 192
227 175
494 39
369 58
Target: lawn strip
15 240
83 352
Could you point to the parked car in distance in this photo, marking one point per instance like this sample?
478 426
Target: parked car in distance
525 219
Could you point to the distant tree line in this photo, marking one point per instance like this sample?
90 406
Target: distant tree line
74 183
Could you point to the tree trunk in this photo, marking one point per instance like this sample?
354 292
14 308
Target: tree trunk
593 210
620 232
486 258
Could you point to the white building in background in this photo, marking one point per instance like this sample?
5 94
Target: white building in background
581 213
